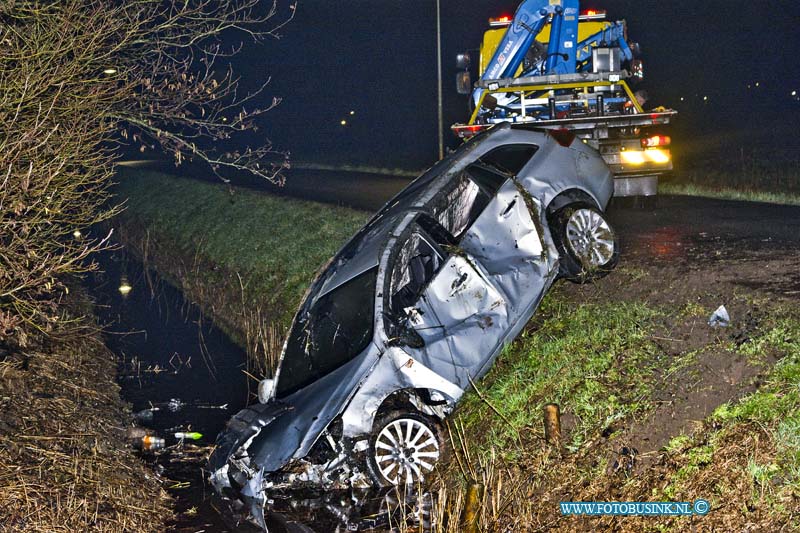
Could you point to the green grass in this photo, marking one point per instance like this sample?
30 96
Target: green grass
729 193
757 179
275 243
770 466
578 357
384 171
231 250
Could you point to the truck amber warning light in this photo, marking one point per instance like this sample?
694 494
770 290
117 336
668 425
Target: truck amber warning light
640 157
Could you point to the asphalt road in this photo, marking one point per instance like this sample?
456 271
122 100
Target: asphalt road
666 228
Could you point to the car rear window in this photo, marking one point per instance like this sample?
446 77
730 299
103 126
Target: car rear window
338 327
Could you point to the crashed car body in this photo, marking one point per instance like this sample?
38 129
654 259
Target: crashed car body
414 307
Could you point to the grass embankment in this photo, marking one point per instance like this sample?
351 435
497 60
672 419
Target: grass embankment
625 370
64 463
245 257
756 179
363 169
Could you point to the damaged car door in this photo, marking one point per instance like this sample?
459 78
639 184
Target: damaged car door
441 295
508 239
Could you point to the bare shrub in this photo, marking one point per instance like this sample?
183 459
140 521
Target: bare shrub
83 80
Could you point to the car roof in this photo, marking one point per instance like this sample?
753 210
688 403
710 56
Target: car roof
363 250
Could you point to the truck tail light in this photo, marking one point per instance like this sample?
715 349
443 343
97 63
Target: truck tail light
467 131
656 140
563 136
496 22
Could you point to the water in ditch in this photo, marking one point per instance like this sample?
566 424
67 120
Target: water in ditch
183 375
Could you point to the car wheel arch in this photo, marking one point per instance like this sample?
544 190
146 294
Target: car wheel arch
425 401
571 196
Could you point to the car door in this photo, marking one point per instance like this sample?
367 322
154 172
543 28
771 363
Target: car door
509 237
472 316
447 300
412 320
508 240
499 226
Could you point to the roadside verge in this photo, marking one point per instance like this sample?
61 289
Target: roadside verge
64 460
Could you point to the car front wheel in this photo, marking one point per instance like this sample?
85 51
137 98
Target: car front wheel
586 242
404 448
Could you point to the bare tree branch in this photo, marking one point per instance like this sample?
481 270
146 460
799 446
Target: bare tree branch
80 79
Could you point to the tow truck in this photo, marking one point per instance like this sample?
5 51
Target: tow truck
556 67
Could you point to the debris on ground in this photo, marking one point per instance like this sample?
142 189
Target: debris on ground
720 318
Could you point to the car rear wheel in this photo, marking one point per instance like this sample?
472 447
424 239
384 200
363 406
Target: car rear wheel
586 242
404 448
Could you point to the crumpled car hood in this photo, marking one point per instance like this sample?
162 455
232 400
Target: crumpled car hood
294 422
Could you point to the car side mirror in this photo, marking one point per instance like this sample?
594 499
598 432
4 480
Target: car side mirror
265 389
464 82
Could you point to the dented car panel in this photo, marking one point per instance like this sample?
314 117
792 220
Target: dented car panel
408 314
292 434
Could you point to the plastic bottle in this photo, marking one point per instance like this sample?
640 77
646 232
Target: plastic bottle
142 439
191 435
150 442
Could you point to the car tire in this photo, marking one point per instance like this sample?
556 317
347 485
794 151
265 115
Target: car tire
403 449
585 241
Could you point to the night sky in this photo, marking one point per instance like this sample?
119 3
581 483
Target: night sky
378 58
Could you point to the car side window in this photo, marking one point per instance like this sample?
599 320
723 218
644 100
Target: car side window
457 206
509 159
415 266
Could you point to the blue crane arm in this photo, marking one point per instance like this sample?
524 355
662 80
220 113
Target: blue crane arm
614 35
529 20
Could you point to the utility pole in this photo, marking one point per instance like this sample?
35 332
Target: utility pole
439 69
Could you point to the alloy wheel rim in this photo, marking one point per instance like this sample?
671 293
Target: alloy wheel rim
405 450
590 238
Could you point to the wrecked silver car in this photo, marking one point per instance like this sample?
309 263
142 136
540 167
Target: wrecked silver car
413 308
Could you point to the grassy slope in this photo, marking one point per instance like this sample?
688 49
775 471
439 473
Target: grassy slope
574 356
246 257
600 361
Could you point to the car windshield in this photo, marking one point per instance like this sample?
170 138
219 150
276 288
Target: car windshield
337 327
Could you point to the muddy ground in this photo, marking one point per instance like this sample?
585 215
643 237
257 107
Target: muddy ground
748 285
704 253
